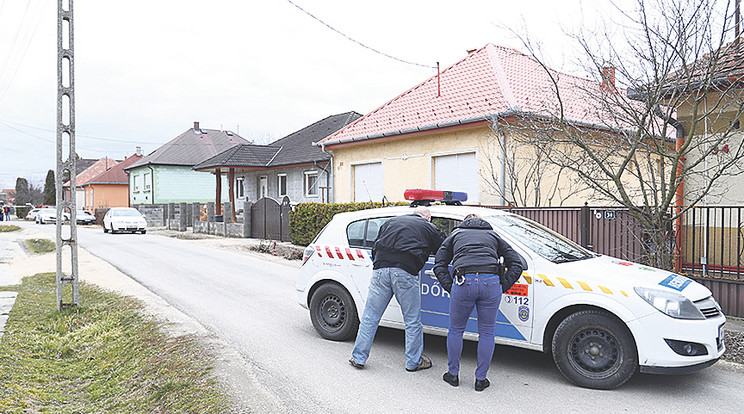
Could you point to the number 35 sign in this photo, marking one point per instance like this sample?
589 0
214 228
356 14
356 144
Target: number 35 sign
723 149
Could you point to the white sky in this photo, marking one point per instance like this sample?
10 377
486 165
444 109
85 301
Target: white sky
145 70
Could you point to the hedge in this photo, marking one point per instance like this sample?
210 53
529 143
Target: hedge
22 211
306 220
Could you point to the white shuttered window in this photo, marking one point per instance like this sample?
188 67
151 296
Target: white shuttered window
457 172
368 182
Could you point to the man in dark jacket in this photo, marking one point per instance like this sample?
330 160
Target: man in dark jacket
475 251
403 245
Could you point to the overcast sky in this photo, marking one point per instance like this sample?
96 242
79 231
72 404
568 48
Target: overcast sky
146 70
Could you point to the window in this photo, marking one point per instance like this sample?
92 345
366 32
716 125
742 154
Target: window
363 233
311 183
147 181
368 182
457 172
263 186
136 183
281 183
240 187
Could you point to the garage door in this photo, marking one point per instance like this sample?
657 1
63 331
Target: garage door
368 182
458 172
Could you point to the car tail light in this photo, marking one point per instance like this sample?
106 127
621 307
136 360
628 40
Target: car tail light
307 253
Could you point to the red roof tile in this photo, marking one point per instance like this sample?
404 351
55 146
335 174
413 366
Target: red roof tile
100 166
492 80
115 175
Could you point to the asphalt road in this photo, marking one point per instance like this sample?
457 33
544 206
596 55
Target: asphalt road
250 303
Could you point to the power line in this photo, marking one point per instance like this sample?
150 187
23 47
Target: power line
358 42
27 37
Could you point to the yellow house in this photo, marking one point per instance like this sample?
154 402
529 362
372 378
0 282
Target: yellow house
452 132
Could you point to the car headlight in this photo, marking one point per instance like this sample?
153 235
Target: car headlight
670 303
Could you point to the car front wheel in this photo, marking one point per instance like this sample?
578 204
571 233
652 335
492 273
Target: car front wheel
333 312
593 349
112 229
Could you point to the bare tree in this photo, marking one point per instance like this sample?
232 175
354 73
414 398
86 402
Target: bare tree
666 99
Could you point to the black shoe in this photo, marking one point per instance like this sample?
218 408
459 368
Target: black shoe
481 385
453 380
356 364
425 364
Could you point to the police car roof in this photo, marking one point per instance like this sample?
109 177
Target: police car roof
438 209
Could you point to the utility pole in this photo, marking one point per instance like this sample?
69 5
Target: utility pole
66 147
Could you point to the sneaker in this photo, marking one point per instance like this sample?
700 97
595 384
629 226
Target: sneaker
453 380
356 364
425 364
481 385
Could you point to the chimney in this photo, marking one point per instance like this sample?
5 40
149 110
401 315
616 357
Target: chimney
196 126
608 79
138 151
471 51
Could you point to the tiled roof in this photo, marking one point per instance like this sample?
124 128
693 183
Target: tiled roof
242 155
489 81
99 167
115 175
191 148
295 148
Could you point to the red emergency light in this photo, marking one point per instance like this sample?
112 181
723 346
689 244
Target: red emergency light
421 196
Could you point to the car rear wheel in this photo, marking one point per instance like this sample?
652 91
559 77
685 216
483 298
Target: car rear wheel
593 349
105 230
144 231
333 312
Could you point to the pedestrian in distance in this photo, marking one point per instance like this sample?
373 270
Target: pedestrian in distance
402 247
478 281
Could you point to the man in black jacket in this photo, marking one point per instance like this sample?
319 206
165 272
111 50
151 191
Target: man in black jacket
475 251
403 245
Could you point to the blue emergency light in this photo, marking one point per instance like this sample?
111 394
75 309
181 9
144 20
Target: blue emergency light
423 197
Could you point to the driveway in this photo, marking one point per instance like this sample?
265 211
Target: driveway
243 305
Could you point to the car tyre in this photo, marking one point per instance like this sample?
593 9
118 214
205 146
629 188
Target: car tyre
333 312
144 231
112 229
105 230
594 349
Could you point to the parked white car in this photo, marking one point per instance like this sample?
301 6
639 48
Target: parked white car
46 215
84 217
32 214
119 219
601 318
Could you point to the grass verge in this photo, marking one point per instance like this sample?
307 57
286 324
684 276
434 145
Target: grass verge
6 227
101 356
40 246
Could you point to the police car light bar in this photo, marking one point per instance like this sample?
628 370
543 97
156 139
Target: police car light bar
419 197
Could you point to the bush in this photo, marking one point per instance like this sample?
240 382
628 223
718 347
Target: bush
22 211
306 220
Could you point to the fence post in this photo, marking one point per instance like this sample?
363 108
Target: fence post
228 213
586 217
183 217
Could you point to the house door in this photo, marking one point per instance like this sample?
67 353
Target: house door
263 186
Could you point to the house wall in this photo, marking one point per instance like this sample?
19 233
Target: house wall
174 184
105 196
295 184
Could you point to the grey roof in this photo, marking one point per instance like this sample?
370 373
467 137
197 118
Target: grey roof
295 148
82 164
191 148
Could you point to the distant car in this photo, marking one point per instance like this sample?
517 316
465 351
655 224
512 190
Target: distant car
84 217
32 214
124 219
46 215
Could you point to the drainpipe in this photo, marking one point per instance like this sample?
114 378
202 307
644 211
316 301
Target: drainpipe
152 183
679 193
328 174
502 181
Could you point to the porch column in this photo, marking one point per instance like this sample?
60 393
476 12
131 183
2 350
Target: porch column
218 200
231 180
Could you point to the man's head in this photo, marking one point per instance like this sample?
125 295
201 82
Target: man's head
423 212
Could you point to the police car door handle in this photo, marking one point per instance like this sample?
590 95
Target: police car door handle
430 273
364 263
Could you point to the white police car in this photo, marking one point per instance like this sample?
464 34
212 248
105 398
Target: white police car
601 318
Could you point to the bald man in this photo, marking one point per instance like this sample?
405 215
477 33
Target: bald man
403 246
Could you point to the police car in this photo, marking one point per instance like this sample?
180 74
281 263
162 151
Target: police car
601 318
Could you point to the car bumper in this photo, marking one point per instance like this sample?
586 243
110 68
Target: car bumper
657 356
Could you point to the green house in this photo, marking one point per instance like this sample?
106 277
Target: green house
166 175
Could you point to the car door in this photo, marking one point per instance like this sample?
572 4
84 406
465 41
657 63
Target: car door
514 318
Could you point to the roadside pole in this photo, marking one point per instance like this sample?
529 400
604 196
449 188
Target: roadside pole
66 140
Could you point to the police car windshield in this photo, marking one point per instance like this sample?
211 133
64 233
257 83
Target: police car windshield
543 241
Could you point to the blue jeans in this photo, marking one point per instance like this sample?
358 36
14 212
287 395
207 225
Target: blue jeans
482 292
385 283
